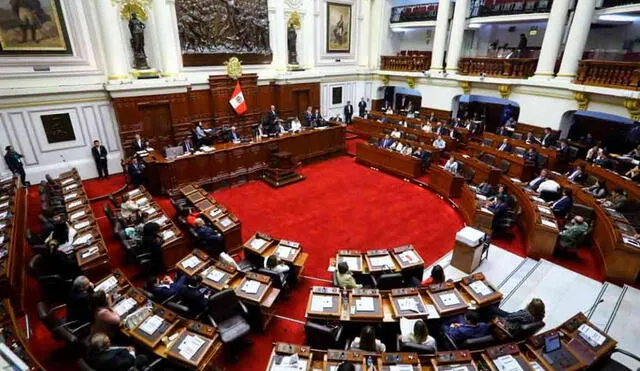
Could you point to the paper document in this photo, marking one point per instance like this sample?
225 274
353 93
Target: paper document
481 197
480 288
149 211
507 363
124 306
449 299
290 243
320 302
537 199
74 204
151 324
77 214
251 287
70 187
67 181
142 201
290 363
408 304
161 220
2 225
215 275
382 261
591 335
516 180
167 234
70 196
431 310
226 222
257 243
134 192
284 251
1 238
544 210
352 262
215 212
190 263
3 215
401 368
365 304
81 240
81 225
535 366
90 251
409 256
548 223
107 285
190 345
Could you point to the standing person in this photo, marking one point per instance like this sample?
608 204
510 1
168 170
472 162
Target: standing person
362 107
348 112
522 45
139 144
135 170
14 163
100 157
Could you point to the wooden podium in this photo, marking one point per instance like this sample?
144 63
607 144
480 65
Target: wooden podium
467 252
445 183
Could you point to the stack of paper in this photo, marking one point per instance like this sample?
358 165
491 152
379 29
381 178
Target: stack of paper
408 304
507 363
81 240
486 210
190 263
151 324
77 214
67 181
449 299
70 187
142 201
382 261
90 251
74 204
548 223
161 220
81 225
409 256
134 192
215 275
480 288
226 222
257 243
70 196
107 285
593 337
537 199
190 345
251 287
351 261
284 251
167 235
320 302
401 368
544 210
149 210
481 197
365 304
124 306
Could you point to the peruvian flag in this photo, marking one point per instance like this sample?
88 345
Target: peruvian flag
237 100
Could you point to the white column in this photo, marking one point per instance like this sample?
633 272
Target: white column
280 53
169 56
364 33
457 34
112 41
552 40
440 37
577 39
378 32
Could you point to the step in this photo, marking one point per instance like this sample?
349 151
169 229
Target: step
624 326
519 274
601 314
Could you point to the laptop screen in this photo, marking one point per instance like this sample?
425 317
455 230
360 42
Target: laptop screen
551 343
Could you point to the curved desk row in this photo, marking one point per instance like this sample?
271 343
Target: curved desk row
552 155
13 219
464 132
388 160
519 168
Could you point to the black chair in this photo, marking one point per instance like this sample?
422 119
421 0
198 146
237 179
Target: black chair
469 174
276 278
488 159
517 136
155 365
519 151
487 142
228 315
541 162
504 166
611 364
319 336
388 281
108 212
402 346
584 211
54 286
71 332
475 343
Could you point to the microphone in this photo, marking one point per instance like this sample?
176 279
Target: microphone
593 307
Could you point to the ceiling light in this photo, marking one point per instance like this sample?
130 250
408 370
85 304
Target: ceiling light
617 18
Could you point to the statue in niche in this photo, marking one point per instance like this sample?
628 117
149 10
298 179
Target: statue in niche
136 27
292 40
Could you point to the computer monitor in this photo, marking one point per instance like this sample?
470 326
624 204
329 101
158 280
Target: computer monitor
552 342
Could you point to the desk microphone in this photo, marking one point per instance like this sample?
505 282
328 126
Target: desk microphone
593 307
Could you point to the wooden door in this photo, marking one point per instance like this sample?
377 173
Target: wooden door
156 124
300 103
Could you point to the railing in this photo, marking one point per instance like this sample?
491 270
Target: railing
414 13
519 68
485 8
612 3
405 63
621 75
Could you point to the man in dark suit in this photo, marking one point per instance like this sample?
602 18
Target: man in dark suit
317 119
272 115
135 171
100 157
535 183
562 207
208 235
348 112
193 296
139 144
441 130
386 142
531 155
187 145
233 135
505 146
14 163
163 289
362 107
503 131
308 117
547 139
103 357
79 301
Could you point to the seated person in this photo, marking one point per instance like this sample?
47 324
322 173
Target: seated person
233 135
130 212
63 233
103 357
318 120
451 165
505 146
105 319
467 327
308 117
296 126
187 145
164 288
345 277
397 146
592 153
501 193
503 131
420 335
439 143
573 234
598 190
562 207
617 200
441 130
79 301
346 366
408 150
367 341
530 139
387 142
396 134
273 263
513 322
635 153
423 155
577 175
190 216
193 296
484 189
537 181
499 208
454 134
603 160
437 276
634 174
207 234
531 155
427 127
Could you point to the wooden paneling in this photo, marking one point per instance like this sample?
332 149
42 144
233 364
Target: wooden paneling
290 97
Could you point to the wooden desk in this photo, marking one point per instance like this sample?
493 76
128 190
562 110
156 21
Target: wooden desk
481 290
353 258
374 129
474 213
13 337
483 172
506 351
447 301
13 218
386 360
552 154
408 303
260 246
444 182
358 296
284 349
230 162
457 360
387 160
331 300
519 169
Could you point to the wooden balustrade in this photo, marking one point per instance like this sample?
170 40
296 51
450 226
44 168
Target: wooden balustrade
519 68
621 75
405 63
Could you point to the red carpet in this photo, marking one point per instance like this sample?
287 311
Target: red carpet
341 205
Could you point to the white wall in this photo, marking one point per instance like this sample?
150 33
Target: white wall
351 91
488 33
419 39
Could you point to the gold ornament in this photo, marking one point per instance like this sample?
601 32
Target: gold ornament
504 90
294 20
411 82
384 79
127 7
466 87
234 68
633 106
582 99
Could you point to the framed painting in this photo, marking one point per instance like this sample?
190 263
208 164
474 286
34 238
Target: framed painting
338 28
58 128
33 27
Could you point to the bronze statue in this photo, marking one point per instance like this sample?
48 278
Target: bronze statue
292 40
136 27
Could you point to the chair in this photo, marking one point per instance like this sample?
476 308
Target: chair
319 336
487 142
178 204
229 315
402 346
519 151
611 364
276 278
84 366
488 159
108 212
573 153
541 162
517 136
54 286
114 202
475 343
70 333
32 238
469 174
504 166
584 211
388 281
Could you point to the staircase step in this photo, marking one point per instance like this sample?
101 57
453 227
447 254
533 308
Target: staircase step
602 313
625 327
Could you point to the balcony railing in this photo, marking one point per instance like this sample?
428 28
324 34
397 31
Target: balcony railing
620 75
612 3
414 13
517 68
406 63
485 8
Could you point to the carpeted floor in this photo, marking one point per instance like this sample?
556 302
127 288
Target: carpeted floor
340 205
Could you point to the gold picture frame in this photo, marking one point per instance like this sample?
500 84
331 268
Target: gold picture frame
338 28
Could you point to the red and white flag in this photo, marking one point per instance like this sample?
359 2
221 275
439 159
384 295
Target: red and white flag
237 100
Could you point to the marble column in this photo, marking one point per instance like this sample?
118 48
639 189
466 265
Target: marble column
169 55
577 39
440 36
112 41
552 39
457 34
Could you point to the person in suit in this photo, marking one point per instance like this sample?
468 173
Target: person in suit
367 341
387 142
467 327
499 208
348 112
530 139
598 190
563 151
317 119
454 134
79 301
441 130
308 117
432 117
603 160
562 206
547 139
103 357
424 156
535 183
163 289
439 143
105 319
100 157
152 242
345 277
272 115
503 131
362 107
505 146
207 234
397 146
135 170
14 163
233 135
514 321
451 166
573 234
577 175
201 135
385 107
139 144
187 145
634 153
193 296
531 155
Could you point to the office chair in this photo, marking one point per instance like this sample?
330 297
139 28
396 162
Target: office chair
470 344
276 278
388 281
584 211
541 163
469 174
54 286
504 166
517 136
402 346
320 336
519 151
611 364
229 315
155 365
488 159
71 333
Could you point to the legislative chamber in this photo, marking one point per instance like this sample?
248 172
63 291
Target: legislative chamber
335 185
